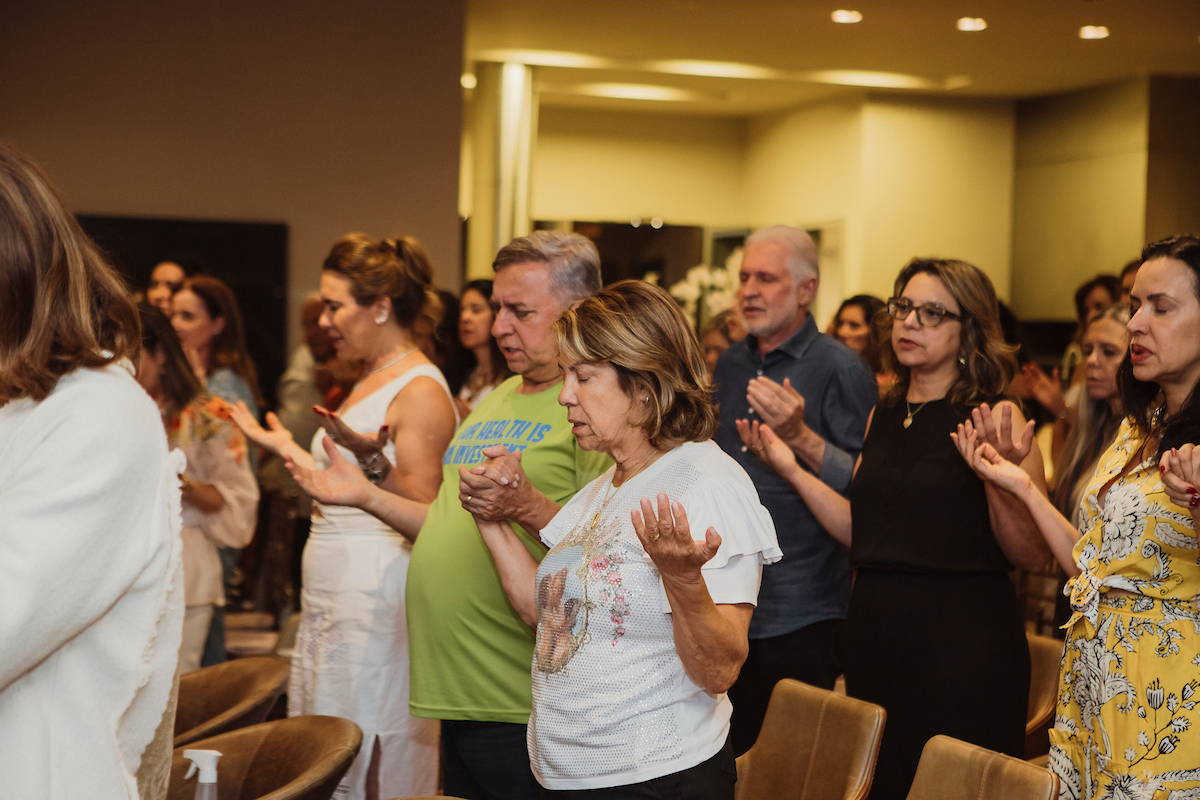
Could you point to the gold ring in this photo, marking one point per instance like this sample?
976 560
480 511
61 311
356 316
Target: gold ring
655 537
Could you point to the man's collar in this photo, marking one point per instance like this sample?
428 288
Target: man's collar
794 345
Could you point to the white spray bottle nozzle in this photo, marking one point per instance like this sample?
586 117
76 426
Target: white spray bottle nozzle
206 761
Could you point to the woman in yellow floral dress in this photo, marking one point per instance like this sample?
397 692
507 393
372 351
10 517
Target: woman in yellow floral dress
1128 721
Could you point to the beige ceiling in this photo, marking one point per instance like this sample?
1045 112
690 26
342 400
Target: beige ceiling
1030 48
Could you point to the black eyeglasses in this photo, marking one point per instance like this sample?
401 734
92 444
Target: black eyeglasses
929 315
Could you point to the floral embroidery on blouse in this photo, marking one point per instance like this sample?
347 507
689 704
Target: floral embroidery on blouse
202 420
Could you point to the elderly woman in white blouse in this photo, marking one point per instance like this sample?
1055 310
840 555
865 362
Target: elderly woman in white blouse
643 603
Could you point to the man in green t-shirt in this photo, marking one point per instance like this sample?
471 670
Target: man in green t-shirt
469 651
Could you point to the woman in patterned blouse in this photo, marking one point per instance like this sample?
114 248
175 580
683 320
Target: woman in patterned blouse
1127 721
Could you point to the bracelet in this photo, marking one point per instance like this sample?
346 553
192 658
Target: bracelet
376 468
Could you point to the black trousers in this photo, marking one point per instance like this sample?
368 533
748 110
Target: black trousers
486 761
710 780
811 655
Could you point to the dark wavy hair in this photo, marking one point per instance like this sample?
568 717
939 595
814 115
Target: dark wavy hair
500 369
1109 283
62 307
228 346
870 306
990 361
639 329
1183 426
179 382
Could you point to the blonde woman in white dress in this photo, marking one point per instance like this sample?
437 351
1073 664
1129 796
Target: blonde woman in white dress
352 647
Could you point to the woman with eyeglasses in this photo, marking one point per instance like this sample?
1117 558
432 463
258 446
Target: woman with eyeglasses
934 634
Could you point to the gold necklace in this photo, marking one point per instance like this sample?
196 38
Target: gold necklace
911 413
611 492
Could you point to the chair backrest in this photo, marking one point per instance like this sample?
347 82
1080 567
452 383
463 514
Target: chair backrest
299 758
1045 659
814 745
228 696
955 770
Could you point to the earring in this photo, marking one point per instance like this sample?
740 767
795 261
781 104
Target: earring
382 318
962 361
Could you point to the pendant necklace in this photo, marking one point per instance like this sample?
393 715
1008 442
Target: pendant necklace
911 413
611 492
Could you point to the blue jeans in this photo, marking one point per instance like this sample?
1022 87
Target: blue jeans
486 761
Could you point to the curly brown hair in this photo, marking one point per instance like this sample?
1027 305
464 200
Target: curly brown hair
987 362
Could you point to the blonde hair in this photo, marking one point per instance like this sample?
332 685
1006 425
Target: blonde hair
398 269
62 308
638 329
1094 430
987 363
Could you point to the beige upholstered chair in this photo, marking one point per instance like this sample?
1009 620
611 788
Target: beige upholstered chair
300 758
228 696
814 745
1045 657
954 770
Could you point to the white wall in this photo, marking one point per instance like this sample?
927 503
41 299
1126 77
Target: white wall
1079 195
604 166
803 168
936 181
886 176
330 117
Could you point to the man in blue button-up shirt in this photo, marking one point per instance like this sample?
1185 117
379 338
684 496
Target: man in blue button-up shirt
816 394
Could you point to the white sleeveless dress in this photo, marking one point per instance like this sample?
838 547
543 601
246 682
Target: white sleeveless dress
351 656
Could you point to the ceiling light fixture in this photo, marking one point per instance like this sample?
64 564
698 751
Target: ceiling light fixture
846 17
656 223
467 80
1093 32
636 222
632 91
718 69
972 24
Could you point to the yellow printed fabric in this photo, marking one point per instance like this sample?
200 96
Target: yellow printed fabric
1127 723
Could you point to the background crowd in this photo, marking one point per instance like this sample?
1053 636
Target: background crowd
558 541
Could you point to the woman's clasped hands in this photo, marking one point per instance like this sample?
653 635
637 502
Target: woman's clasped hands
1180 467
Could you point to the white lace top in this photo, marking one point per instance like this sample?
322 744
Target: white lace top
612 704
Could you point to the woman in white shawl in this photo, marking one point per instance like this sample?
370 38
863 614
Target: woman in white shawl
91 599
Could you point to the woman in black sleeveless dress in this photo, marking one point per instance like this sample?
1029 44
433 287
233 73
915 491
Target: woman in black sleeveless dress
934 634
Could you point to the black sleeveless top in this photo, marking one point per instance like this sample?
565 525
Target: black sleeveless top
916 505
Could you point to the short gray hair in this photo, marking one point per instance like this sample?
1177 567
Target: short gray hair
801 251
573 261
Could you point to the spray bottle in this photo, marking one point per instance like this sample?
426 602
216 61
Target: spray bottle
206 762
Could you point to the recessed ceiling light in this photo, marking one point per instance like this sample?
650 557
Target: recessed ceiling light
467 80
972 23
845 16
1093 32
656 223
636 222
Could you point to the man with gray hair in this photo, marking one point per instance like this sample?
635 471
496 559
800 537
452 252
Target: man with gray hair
470 652
816 394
